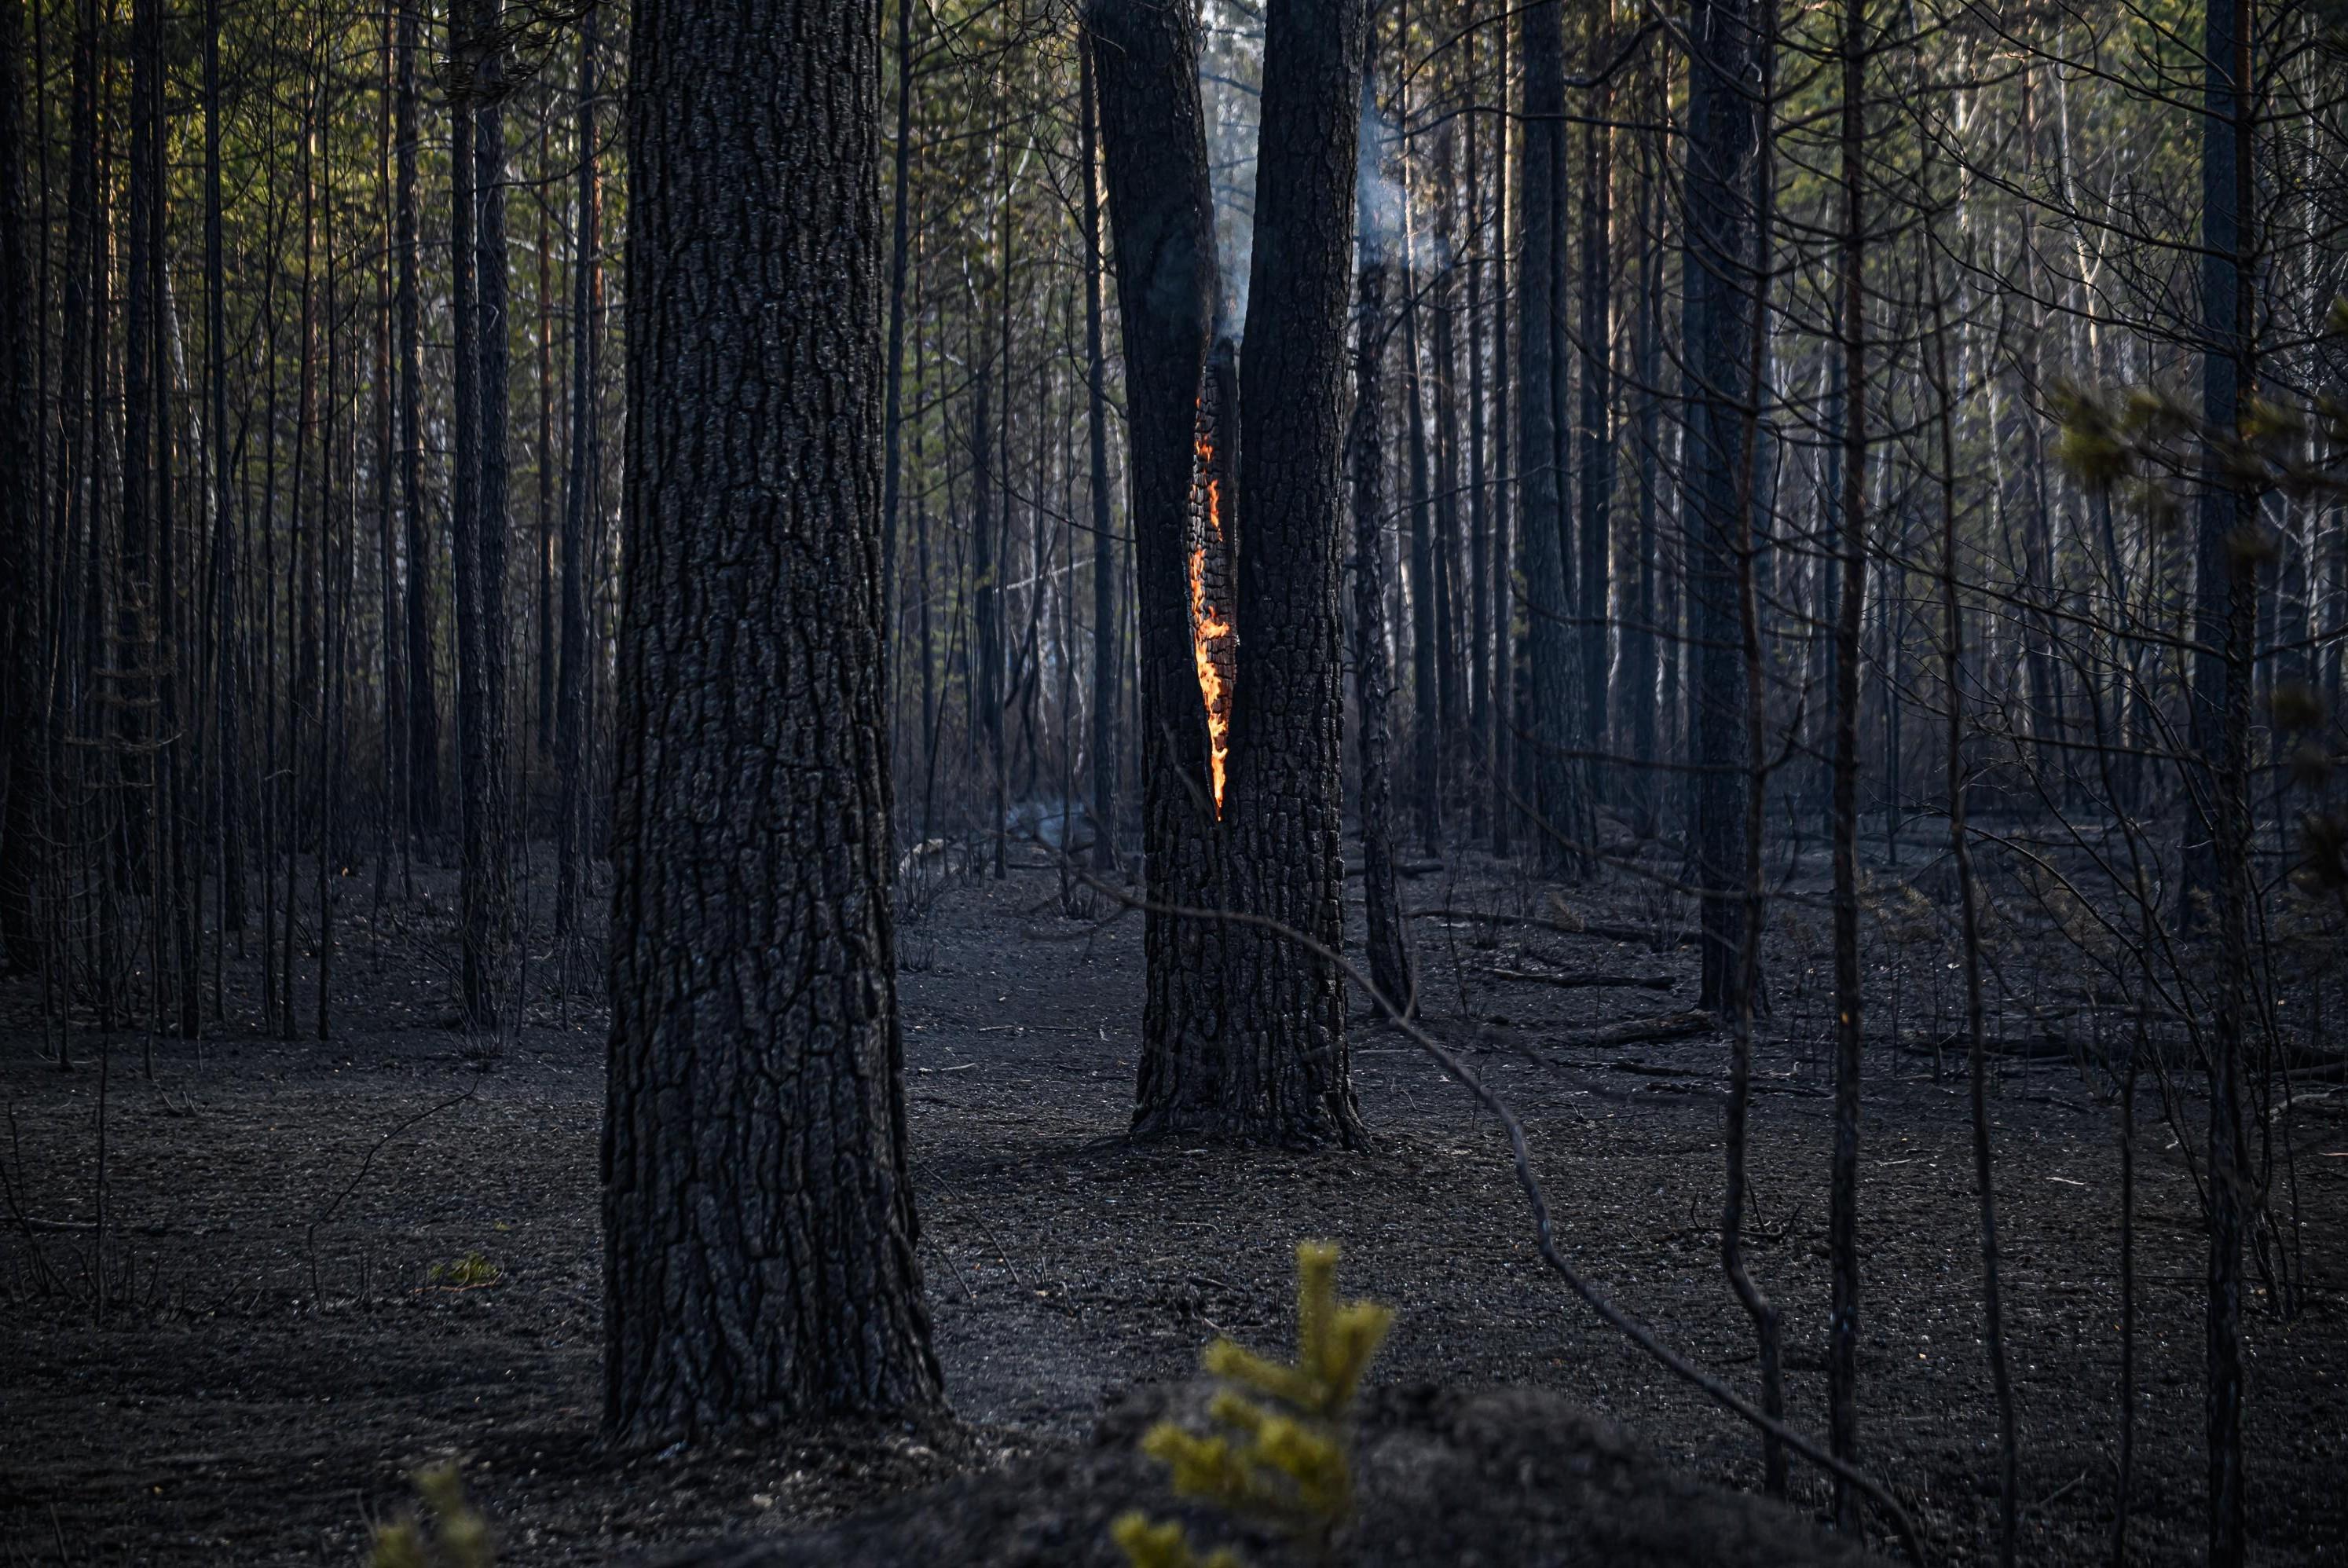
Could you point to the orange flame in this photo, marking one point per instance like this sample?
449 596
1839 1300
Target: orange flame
1208 626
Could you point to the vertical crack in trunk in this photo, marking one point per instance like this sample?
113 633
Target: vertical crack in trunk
1211 545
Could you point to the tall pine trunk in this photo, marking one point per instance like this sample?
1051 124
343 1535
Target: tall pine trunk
1717 337
582 499
1284 803
1389 949
1541 511
758 1227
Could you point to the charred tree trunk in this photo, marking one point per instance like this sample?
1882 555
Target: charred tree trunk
1285 798
1597 477
1718 290
1506 506
489 934
1426 700
476 625
759 1233
582 499
1153 143
2218 873
1842 1212
1541 505
1389 946
1105 641
1161 217
23 717
423 772
893 417
1639 628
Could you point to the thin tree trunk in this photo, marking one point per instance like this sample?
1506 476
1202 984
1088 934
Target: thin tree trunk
893 417
1952 661
1105 741
583 498
1597 477
22 721
1718 290
423 771
1842 1218
1540 507
2217 867
1389 950
1426 700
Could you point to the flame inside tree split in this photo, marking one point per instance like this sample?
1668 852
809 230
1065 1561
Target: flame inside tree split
1214 636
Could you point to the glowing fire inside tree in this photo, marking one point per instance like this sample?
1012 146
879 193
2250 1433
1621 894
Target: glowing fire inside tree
1208 627
1215 638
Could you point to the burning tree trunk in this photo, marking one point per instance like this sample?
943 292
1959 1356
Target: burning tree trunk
758 1221
1243 1025
1154 160
1283 802
1211 547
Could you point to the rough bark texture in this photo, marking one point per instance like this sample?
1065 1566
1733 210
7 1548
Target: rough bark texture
20 755
1596 492
1717 345
582 499
757 1213
422 698
1842 1199
490 963
1548 635
1154 160
1283 802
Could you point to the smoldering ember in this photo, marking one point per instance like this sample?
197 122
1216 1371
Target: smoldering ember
1174 783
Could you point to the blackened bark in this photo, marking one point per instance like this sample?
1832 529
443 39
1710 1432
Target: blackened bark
1389 949
1639 628
1425 699
474 625
1596 476
1842 1200
1283 802
1718 290
986 598
1501 695
1479 498
583 497
892 418
759 1234
1449 677
488 956
1540 496
1162 218
23 718
228 747
389 820
2218 865
423 772
544 301
1105 640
